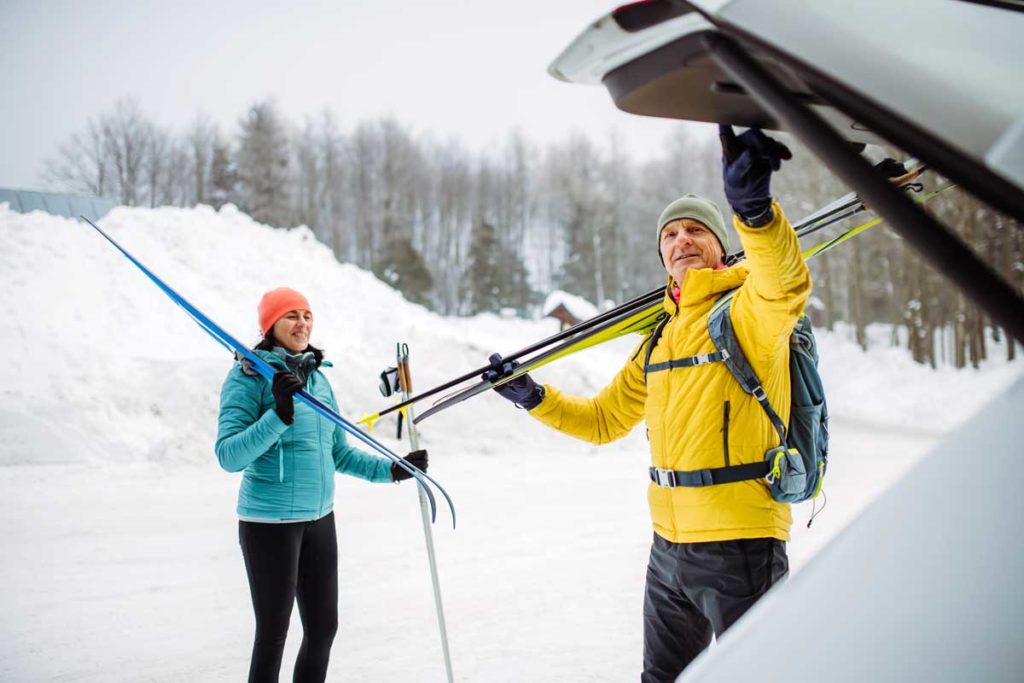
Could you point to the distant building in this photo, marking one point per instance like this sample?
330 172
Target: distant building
68 205
568 309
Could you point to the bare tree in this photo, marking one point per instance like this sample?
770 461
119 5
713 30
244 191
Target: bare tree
156 162
81 164
308 178
453 200
127 139
332 200
200 138
175 187
365 152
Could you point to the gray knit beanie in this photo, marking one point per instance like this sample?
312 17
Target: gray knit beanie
699 209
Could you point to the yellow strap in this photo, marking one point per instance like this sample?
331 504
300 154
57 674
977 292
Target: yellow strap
369 421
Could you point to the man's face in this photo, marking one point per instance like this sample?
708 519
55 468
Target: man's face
686 243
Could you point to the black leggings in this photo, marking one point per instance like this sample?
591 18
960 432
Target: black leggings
285 563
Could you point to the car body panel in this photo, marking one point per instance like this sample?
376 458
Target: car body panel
920 587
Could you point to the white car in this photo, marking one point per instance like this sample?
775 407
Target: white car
924 585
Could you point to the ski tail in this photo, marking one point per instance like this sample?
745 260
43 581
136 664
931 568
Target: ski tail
225 339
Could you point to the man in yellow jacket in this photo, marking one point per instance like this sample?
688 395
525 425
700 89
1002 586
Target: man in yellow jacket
717 547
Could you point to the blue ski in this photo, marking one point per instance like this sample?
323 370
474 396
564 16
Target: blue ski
230 343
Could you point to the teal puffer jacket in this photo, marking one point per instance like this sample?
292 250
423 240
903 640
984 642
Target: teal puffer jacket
288 469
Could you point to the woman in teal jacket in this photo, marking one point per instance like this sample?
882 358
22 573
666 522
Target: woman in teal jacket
288 455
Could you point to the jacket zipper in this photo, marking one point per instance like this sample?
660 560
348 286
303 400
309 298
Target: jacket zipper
725 431
280 460
320 449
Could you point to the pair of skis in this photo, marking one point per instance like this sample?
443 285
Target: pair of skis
639 315
423 480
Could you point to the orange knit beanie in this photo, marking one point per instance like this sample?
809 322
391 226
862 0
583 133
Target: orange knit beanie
276 303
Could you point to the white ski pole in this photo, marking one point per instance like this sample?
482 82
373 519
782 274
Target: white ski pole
405 385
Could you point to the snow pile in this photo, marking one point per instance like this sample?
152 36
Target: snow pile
101 365
126 542
885 386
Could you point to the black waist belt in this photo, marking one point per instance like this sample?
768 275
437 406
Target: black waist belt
709 477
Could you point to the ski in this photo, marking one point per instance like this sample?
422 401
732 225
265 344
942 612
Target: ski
641 301
231 344
637 320
627 322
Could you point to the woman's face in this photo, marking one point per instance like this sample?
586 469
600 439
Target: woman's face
292 330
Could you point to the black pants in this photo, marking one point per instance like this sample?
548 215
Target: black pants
285 563
696 589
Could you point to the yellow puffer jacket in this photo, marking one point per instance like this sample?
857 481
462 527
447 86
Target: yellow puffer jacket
699 417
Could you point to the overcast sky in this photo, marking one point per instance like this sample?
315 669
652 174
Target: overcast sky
473 70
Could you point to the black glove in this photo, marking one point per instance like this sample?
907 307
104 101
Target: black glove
747 165
522 390
283 387
416 459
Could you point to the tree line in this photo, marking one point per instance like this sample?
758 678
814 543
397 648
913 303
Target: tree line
465 232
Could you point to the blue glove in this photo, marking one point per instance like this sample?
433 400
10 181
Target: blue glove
522 390
747 165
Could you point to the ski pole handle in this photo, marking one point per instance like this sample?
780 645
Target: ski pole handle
404 375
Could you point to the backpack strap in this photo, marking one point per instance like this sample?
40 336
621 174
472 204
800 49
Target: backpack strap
724 337
688 362
655 336
709 477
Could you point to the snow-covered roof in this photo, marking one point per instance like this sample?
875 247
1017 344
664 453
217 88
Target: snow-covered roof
69 205
580 308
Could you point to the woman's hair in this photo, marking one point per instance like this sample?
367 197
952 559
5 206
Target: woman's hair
269 342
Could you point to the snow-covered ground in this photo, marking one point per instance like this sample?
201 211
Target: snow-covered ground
119 540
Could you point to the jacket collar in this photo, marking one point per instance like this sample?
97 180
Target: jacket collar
278 362
702 285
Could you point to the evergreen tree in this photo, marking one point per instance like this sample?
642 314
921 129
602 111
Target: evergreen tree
579 268
517 291
223 175
263 174
401 266
496 277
